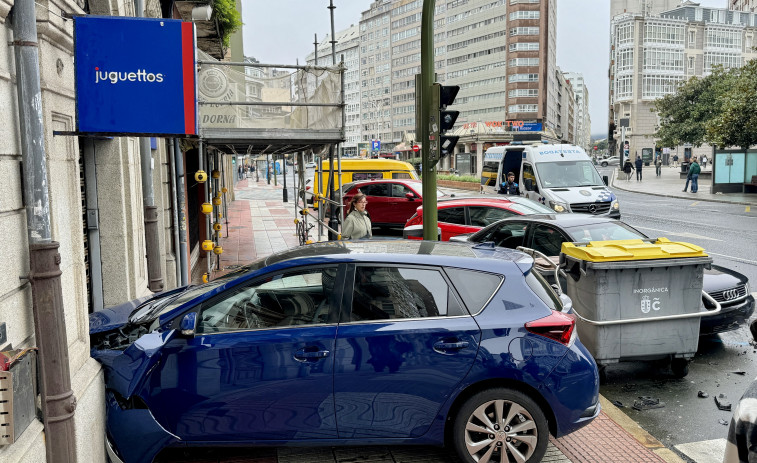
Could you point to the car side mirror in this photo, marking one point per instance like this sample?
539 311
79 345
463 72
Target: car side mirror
605 179
410 196
188 324
529 184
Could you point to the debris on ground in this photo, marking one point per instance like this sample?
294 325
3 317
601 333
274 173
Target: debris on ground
618 403
702 395
722 402
647 403
742 373
723 422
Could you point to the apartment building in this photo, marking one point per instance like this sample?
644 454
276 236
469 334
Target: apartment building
566 109
582 129
347 47
651 55
643 7
376 72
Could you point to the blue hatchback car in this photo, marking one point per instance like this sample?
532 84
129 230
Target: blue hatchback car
370 342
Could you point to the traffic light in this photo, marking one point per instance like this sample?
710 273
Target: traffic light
442 120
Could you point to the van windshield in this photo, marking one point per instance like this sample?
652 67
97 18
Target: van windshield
566 174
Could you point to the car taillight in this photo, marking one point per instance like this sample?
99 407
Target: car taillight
558 326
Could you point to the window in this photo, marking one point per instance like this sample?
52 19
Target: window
727 60
523 108
299 297
523 78
541 288
663 32
524 46
623 87
454 215
482 216
692 38
547 240
624 33
528 174
476 288
624 60
524 31
658 59
691 63
658 86
723 37
399 190
508 235
523 92
523 62
524 14
383 293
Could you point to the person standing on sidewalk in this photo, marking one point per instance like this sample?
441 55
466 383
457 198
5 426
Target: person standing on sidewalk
639 165
704 161
627 168
694 171
658 165
741 446
357 224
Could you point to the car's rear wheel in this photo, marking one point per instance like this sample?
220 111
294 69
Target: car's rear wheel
500 425
604 164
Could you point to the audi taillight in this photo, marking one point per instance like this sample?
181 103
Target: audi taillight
558 326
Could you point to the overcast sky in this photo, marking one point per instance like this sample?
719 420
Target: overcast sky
281 31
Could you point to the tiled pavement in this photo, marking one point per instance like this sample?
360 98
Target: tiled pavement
260 223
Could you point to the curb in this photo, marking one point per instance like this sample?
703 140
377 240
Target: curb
637 432
614 177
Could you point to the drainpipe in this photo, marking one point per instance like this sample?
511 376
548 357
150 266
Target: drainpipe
152 244
93 223
58 401
175 215
181 211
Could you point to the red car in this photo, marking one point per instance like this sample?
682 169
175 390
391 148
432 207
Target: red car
457 216
390 201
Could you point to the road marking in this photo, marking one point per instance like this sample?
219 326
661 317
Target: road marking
695 203
710 451
684 234
738 259
748 209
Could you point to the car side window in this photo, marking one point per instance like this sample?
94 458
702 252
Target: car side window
508 235
476 288
376 189
481 216
302 297
547 240
384 293
399 190
454 215
528 173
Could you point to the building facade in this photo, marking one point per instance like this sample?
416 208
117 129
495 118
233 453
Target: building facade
749 6
652 55
583 118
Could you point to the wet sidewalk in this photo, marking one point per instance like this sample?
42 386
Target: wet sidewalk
669 184
259 224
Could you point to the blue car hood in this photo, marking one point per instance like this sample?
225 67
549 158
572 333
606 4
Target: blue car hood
114 317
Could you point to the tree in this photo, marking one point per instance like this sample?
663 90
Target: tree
736 122
686 115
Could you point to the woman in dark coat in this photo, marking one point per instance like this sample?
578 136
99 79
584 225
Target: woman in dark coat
627 168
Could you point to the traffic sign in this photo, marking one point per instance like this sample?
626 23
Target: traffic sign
376 145
416 148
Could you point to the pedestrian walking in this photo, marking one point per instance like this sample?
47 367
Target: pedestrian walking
675 161
639 164
509 187
658 165
704 161
357 224
627 168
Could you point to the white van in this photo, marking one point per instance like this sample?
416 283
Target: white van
562 177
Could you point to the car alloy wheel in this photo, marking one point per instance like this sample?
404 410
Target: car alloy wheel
501 425
604 164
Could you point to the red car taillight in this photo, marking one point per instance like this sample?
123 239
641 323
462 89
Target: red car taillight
557 326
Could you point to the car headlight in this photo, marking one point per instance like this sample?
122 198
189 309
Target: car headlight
558 207
615 206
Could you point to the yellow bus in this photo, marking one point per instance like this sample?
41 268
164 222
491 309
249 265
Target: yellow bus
354 170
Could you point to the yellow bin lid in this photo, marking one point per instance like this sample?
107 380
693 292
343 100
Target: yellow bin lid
619 250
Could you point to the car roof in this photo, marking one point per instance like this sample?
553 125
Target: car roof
565 220
406 251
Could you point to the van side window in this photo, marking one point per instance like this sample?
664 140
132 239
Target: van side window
528 173
406 175
366 176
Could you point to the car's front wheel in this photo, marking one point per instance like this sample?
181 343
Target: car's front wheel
604 164
500 425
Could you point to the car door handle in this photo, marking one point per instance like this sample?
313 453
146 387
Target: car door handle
315 355
445 346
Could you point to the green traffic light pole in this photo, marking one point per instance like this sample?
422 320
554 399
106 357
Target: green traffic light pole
429 161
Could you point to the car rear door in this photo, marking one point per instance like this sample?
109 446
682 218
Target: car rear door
260 365
402 349
379 202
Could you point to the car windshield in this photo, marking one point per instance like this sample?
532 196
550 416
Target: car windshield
566 174
604 231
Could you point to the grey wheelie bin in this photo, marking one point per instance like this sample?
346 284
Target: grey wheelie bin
637 300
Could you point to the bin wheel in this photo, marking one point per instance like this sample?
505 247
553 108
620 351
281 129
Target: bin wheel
680 367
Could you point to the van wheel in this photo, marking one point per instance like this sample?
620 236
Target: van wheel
500 425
